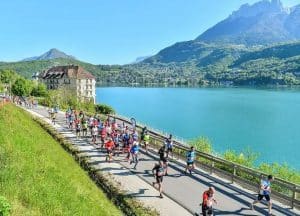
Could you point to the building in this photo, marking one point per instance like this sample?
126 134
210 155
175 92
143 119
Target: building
70 77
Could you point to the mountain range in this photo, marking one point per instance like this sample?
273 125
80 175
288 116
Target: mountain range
258 44
264 22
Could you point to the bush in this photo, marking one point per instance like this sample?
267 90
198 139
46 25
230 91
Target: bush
39 90
104 109
246 158
282 170
4 207
202 144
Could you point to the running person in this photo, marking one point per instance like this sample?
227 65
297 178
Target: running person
265 192
146 140
78 129
169 145
190 157
94 133
134 153
84 127
207 202
144 131
162 157
53 117
109 145
158 172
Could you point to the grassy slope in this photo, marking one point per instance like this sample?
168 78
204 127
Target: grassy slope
38 177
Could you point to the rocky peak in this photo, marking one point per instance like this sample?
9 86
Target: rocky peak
264 6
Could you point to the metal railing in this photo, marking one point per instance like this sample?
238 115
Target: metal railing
283 191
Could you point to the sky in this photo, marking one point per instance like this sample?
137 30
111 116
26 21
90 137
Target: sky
106 32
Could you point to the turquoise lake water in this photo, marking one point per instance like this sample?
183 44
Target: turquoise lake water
267 121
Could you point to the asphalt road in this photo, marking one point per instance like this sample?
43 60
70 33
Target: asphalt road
187 190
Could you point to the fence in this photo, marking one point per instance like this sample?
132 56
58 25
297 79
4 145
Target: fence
283 191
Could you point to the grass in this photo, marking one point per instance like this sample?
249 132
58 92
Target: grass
38 177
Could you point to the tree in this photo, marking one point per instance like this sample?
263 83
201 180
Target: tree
1 87
22 87
8 76
40 90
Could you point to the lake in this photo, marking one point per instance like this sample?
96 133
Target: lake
266 120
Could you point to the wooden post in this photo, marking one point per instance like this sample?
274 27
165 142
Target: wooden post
212 167
294 196
233 174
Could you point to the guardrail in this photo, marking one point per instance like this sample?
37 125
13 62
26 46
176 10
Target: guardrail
283 191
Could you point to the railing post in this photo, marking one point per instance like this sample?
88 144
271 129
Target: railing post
233 173
294 196
212 166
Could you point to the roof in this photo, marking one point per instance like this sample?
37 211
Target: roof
70 71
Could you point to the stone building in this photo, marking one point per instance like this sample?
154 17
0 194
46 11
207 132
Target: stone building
70 77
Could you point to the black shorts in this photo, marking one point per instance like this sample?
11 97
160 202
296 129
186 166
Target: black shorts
170 149
207 210
164 160
260 197
109 151
190 163
84 129
159 179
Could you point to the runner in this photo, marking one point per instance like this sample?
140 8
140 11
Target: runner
265 192
144 131
135 135
207 202
126 144
134 153
53 117
117 141
169 145
71 121
94 133
67 116
190 157
91 124
109 145
84 128
78 128
163 158
103 134
146 140
158 172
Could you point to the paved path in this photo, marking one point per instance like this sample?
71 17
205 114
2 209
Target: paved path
179 188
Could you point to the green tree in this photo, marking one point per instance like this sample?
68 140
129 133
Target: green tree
39 90
8 76
1 87
22 87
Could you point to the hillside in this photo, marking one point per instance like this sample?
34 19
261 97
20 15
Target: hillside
200 64
255 45
38 177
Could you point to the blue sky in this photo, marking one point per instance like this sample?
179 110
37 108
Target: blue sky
106 32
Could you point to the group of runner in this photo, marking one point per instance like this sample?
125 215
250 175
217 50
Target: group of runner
119 139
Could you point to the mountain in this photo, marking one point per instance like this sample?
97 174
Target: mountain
262 23
252 27
255 45
51 54
216 65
